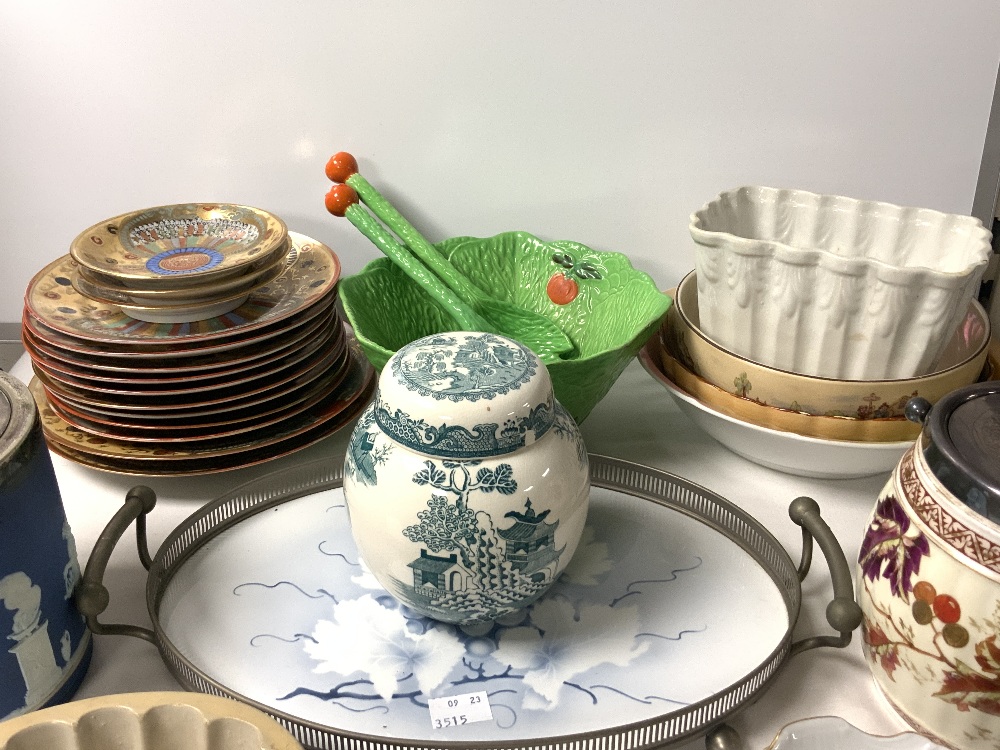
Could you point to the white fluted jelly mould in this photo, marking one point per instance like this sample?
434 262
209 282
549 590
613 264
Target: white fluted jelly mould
831 286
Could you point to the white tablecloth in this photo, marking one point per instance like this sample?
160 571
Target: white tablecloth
637 421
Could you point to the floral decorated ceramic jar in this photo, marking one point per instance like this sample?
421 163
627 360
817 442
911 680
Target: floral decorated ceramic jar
466 482
929 574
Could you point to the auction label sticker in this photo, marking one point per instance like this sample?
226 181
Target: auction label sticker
456 710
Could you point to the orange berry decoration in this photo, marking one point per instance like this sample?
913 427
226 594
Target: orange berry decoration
562 289
946 608
341 166
340 198
924 591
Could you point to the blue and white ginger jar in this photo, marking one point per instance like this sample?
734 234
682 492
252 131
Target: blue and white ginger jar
466 482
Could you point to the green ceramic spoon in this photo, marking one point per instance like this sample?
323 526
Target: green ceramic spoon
342 200
537 332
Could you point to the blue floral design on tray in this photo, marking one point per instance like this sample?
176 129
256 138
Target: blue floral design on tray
560 646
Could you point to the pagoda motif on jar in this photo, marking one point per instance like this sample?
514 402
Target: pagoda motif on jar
467 483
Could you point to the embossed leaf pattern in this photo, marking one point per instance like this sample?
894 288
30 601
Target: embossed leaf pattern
565 641
516 266
891 549
378 324
383 647
608 322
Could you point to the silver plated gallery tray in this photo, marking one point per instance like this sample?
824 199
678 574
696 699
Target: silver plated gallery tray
676 612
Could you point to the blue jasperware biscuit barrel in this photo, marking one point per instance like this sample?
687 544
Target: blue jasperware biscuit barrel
44 643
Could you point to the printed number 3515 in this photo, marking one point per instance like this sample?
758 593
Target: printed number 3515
450 721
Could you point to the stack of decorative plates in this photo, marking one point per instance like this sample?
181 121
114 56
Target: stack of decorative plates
272 375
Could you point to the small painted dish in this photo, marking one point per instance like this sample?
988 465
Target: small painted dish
53 301
101 288
170 246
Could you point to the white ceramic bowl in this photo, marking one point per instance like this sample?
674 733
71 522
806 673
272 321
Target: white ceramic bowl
961 363
831 286
147 721
783 451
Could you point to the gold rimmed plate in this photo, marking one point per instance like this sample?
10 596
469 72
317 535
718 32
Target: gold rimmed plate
328 337
270 386
164 358
222 419
53 302
202 466
167 371
158 434
179 244
332 413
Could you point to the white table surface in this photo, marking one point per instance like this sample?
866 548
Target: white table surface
637 421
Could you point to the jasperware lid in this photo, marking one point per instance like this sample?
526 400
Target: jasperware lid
17 415
961 444
465 395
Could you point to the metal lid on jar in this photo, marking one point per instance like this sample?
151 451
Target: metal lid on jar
464 395
17 414
961 444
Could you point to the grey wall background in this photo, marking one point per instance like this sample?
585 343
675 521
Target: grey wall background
603 122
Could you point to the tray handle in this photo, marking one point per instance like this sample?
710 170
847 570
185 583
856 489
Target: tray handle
843 613
92 598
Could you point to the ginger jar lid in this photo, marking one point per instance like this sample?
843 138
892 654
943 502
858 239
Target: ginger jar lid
961 444
464 395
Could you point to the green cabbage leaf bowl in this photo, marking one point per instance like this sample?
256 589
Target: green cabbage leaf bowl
615 310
